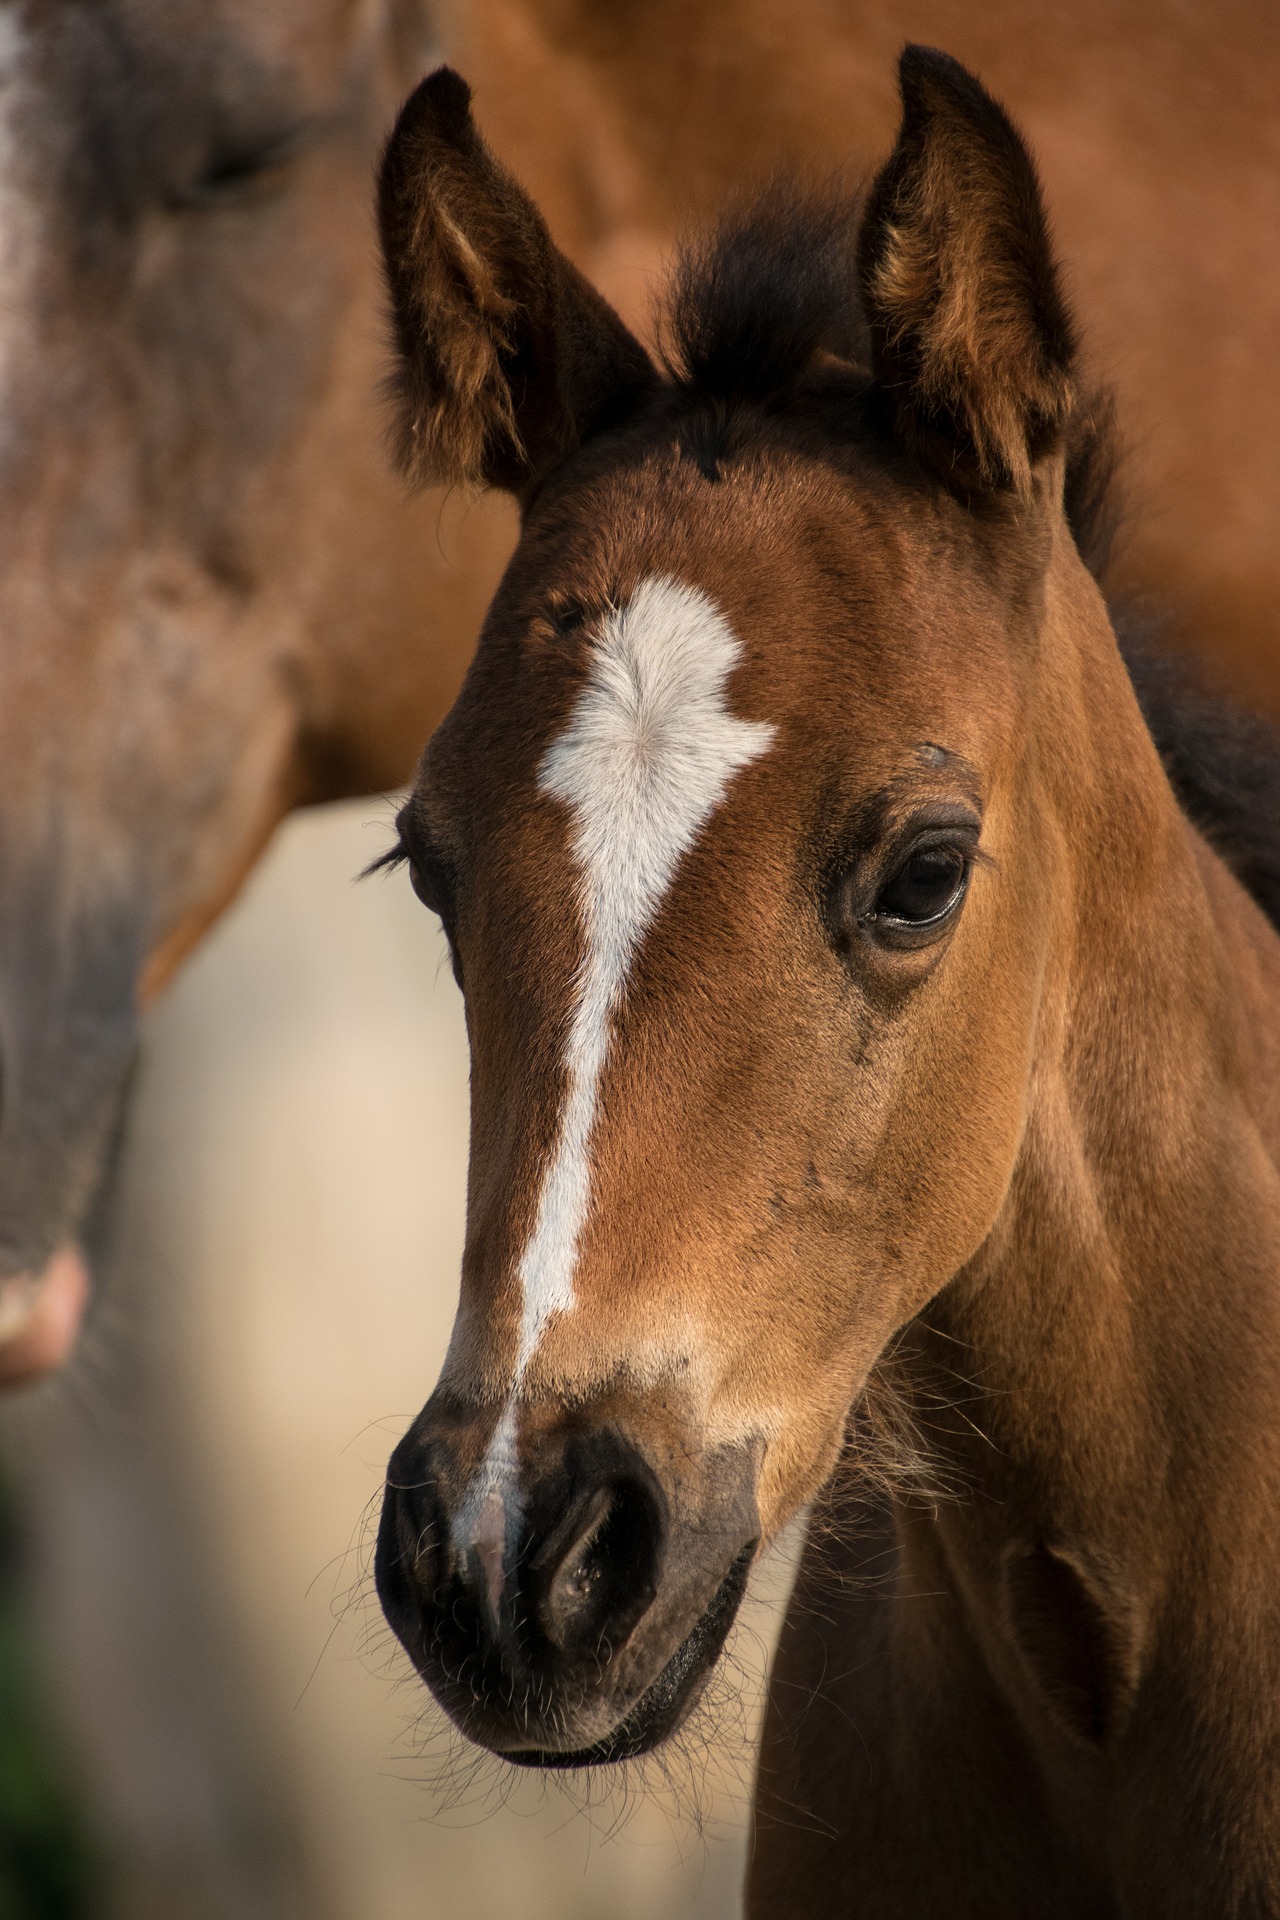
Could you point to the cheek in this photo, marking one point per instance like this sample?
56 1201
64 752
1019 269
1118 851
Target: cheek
781 1365
802 1428
947 1091
881 1186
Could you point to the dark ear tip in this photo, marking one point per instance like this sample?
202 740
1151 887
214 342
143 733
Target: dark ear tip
927 78
443 101
916 58
448 93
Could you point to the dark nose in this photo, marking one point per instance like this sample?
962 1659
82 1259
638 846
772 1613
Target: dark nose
580 1553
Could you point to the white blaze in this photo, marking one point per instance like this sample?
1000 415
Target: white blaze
641 766
645 760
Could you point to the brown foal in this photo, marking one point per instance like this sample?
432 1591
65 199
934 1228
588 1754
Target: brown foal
855 1014
208 615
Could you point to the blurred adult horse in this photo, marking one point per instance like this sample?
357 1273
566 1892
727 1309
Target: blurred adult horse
215 603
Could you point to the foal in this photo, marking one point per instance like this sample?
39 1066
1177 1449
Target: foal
851 1003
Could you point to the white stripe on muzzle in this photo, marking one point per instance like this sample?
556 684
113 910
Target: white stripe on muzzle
644 762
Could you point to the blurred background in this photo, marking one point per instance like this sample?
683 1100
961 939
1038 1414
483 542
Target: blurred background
201 1715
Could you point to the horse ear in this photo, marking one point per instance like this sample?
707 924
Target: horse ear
971 335
507 357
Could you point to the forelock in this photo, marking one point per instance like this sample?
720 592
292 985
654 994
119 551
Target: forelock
765 297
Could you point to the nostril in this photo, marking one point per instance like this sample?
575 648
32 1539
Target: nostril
409 1564
596 1574
569 1573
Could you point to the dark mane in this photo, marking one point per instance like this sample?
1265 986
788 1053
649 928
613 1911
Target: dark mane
753 304
769 299
1223 762
756 306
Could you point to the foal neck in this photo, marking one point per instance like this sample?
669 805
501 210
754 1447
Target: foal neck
1101 1381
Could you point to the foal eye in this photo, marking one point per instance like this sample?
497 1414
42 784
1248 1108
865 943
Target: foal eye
430 881
426 884
925 889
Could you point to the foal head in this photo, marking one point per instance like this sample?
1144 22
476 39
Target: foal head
739 832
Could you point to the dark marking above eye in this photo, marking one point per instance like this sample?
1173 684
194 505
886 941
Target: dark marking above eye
563 616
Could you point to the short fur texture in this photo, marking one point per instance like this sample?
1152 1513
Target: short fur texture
645 760
773 304
950 1047
506 357
971 335
762 307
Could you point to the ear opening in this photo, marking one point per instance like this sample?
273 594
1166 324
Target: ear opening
506 357
972 341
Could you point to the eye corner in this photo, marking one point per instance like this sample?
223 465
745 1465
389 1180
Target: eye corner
427 881
430 875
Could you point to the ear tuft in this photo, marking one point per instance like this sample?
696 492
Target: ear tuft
971 335
506 357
